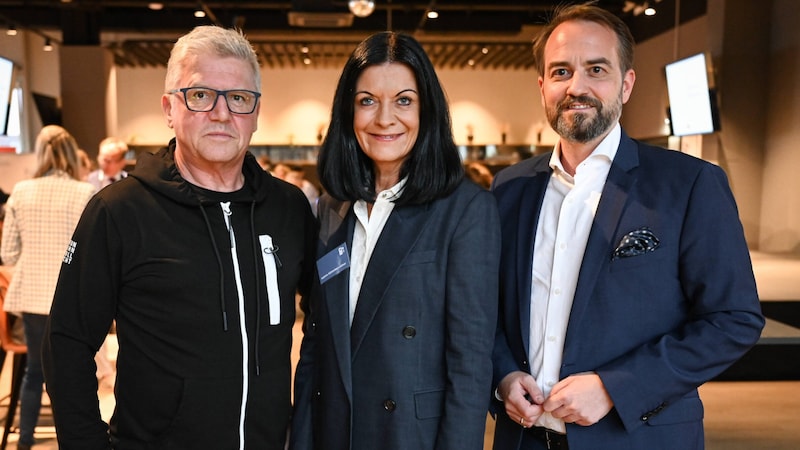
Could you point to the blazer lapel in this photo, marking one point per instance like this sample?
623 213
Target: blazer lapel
530 203
398 237
339 229
599 246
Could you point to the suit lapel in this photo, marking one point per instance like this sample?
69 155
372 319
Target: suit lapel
339 229
530 203
599 246
398 237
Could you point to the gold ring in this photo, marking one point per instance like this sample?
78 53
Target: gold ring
522 421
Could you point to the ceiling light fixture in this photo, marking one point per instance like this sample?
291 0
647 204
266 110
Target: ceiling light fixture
199 13
48 47
12 30
361 8
155 6
433 14
639 7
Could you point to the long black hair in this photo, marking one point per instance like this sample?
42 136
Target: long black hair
433 167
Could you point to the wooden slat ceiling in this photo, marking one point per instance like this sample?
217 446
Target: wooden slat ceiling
479 34
291 54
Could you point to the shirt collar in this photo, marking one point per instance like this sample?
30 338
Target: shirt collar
393 193
607 148
385 196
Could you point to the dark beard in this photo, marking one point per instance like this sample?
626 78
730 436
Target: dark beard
582 128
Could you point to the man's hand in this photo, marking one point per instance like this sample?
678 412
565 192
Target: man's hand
522 398
581 399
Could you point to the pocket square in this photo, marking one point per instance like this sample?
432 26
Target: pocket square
635 243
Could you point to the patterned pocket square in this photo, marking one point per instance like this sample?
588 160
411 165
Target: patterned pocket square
635 243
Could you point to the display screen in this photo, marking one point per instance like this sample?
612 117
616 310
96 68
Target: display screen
6 76
692 104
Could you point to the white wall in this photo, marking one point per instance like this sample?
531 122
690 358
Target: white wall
296 105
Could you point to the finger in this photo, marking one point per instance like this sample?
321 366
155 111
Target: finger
534 394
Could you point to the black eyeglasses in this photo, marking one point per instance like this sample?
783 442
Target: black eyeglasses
202 99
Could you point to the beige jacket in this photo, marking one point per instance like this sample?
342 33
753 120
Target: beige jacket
41 215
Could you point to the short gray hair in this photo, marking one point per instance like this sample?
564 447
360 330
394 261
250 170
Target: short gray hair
211 40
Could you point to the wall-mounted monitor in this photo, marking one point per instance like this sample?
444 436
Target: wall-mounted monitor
692 103
6 80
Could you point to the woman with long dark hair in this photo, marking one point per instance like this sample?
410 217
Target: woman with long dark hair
397 347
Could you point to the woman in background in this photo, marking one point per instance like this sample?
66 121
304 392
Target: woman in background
397 347
41 215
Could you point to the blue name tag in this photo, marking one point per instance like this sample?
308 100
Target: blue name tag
333 263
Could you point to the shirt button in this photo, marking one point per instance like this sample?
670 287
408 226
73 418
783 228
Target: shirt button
557 291
551 338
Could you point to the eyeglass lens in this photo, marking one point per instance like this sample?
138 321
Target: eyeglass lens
204 99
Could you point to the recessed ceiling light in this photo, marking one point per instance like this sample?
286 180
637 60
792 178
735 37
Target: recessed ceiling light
155 6
361 8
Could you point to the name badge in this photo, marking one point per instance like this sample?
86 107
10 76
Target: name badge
333 263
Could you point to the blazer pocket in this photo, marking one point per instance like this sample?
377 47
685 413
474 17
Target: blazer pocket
423 257
429 404
687 409
632 262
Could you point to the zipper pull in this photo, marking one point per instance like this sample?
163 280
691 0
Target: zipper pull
226 211
274 252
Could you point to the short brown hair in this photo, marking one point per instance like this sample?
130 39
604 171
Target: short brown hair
588 13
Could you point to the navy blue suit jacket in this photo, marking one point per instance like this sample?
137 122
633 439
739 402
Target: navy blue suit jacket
653 326
414 370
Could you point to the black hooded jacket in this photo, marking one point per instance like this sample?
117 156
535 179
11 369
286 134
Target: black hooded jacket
204 344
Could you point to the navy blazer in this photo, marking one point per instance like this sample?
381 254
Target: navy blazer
414 370
653 326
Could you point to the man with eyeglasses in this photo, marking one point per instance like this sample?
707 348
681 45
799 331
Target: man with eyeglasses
111 163
198 255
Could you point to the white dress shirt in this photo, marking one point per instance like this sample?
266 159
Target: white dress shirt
367 231
565 219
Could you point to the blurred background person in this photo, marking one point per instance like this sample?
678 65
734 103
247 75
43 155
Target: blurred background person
397 348
480 174
297 176
41 215
111 162
280 170
265 162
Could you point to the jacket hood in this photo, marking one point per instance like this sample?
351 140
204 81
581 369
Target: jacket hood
159 172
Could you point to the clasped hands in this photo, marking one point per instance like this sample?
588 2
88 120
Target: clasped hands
581 399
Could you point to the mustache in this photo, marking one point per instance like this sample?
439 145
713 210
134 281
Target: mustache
586 100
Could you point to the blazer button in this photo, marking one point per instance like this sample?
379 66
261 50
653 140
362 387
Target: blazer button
409 332
389 405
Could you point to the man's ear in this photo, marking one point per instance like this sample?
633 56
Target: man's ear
166 105
627 85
